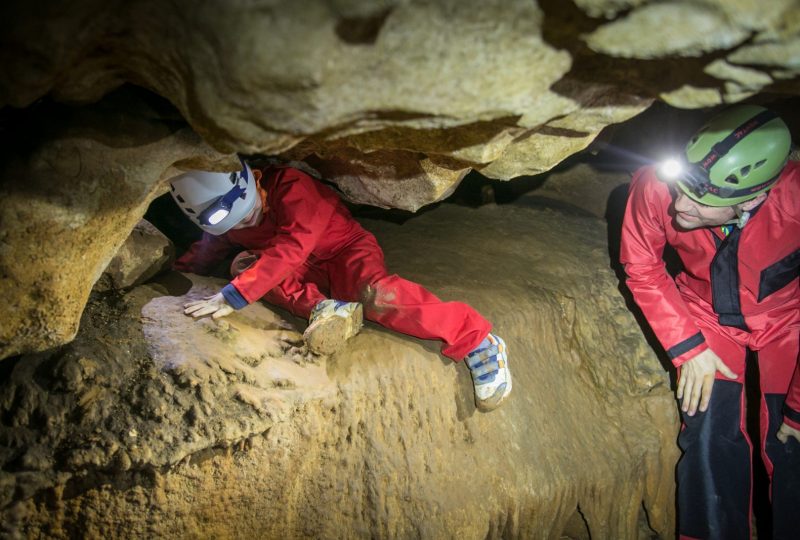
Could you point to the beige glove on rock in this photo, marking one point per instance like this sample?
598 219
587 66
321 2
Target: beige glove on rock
214 305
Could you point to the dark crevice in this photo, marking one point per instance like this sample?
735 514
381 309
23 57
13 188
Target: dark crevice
577 527
362 30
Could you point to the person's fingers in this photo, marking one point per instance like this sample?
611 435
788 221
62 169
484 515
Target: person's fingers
723 368
193 303
195 307
686 392
783 434
222 312
209 309
708 385
681 384
694 396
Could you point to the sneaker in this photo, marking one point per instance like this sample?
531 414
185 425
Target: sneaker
331 324
488 364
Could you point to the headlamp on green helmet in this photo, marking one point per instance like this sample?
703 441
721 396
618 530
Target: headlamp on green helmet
735 157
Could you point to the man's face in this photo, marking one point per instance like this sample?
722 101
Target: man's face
690 214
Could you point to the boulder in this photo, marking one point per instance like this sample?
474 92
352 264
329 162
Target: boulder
144 254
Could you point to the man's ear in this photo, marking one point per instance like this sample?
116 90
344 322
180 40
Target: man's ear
752 203
256 175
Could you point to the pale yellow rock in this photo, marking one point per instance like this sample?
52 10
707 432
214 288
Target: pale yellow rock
740 82
783 74
755 14
786 27
405 184
744 77
593 119
534 154
539 150
690 97
785 54
667 29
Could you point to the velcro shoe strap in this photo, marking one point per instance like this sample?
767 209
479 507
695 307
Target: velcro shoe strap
484 368
482 356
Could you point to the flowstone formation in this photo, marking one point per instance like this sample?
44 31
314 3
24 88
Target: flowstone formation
152 424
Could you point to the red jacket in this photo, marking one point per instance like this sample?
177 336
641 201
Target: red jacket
748 280
303 220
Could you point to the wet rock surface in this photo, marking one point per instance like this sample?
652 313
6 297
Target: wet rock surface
152 424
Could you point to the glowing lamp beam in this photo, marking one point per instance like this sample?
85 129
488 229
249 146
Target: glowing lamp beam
670 169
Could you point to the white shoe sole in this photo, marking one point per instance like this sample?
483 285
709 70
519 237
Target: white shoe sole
327 335
495 400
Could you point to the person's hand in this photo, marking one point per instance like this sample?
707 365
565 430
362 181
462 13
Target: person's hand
786 431
215 305
697 380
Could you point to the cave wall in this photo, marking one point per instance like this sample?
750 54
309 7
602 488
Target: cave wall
396 100
393 101
74 184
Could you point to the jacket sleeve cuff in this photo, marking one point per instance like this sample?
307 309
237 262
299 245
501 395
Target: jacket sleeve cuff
234 297
791 417
687 349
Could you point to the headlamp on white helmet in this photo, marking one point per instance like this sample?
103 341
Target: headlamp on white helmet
216 202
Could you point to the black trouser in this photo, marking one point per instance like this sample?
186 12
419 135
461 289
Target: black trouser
714 474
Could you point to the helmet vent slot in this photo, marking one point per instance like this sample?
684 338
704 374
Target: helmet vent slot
759 164
233 178
745 170
189 210
172 187
180 199
731 179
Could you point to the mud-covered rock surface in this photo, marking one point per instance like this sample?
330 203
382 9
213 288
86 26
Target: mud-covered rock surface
152 424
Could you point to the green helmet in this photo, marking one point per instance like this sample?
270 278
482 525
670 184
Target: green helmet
737 155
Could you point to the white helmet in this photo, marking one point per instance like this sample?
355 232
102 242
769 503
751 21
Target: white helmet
215 201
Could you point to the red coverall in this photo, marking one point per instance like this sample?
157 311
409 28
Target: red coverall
312 249
735 293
